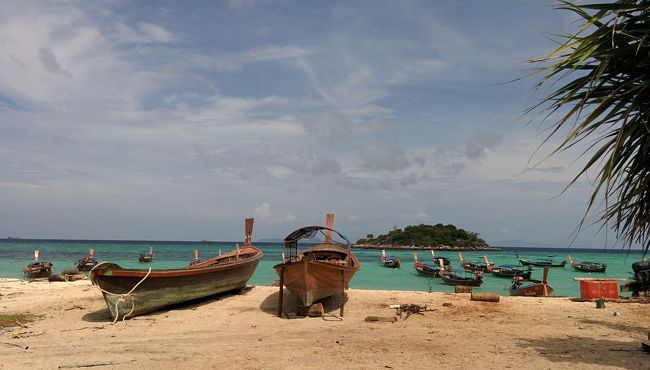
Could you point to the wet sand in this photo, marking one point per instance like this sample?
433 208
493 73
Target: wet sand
72 328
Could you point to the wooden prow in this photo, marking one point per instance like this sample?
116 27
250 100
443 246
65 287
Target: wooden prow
248 231
433 255
329 222
487 262
570 259
442 265
544 281
151 249
91 252
196 254
36 253
460 255
415 257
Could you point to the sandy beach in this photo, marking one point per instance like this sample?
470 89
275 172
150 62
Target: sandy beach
71 327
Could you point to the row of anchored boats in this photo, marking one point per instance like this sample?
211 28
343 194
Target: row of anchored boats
522 284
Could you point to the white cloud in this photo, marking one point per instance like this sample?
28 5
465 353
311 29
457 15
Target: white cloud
290 217
275 52
263 210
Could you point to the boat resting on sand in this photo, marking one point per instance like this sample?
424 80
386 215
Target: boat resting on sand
320 271
133 292
37 269
541 262
587 266
531 287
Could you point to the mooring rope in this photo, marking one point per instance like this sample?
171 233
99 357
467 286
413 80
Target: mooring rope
122 297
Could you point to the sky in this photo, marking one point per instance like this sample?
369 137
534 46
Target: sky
173 120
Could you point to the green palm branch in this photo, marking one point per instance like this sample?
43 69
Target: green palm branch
599 83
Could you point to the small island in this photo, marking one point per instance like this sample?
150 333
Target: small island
420 237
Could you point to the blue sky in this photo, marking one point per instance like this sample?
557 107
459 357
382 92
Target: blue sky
177 120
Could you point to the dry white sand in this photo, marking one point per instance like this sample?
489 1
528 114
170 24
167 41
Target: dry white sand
72 327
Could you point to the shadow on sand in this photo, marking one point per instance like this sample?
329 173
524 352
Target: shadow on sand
589 351
104 314
290 304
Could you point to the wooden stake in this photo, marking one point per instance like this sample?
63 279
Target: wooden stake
342 292
280 298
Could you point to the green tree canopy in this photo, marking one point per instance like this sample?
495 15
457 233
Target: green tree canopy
599 81
427 235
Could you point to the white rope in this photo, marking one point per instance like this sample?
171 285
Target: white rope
122 297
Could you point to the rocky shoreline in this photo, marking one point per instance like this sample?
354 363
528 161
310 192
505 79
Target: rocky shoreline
430 247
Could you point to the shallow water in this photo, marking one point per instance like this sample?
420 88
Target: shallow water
15 254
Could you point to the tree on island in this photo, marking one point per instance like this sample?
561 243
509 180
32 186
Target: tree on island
426 235
600 88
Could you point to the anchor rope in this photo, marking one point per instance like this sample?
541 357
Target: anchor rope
123 296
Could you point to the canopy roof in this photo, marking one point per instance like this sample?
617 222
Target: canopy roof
309 232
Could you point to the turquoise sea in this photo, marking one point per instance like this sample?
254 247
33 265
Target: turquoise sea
15 254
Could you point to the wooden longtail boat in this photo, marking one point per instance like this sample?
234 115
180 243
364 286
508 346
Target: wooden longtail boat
390 261
196 257
37 269
132 292
541 262
473 266
320 271
445 261
508 271
147 257
424 269
531 287
88 262
451 278
587 266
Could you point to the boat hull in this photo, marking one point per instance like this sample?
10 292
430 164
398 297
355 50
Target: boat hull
536 290
451 279
426 270
542 264
162 288
311 280
510 273
589 268
38 270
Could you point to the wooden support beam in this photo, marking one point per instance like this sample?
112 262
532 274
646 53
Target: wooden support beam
280 298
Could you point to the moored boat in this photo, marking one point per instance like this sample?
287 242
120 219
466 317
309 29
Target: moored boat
541 262
320 271
425 269
389 261
451 278
587 266
436 259
37 269
531 287
473 266
508 271
196 257
133 292
87 262
147 257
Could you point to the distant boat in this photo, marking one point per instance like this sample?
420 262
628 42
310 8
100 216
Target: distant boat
37 269
640 281
450 278
133 292
531 287
87 262
196 257
541 262
320 271
586 266
508 271
473 266
424 269
390 261
437 259
147 257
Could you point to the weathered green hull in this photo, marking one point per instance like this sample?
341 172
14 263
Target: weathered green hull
164 288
